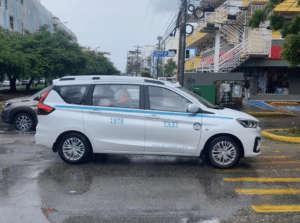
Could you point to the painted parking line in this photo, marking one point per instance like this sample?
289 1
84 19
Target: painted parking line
254 171
267 191
253 179
273 157
276 208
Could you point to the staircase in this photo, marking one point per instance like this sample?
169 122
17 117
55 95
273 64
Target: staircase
246 41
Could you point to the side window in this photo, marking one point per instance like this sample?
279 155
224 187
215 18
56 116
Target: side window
72 94
121 96
165 100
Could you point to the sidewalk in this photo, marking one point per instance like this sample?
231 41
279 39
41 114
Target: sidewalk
275 97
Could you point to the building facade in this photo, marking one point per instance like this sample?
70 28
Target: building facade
21 15
225 44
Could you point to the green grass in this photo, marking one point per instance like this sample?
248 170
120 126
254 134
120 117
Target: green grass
294 132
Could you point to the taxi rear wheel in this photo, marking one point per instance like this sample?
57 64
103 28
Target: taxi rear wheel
223 152
74 148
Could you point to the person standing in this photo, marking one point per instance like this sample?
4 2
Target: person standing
247 89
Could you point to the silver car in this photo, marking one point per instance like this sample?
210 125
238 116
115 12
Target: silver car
21 112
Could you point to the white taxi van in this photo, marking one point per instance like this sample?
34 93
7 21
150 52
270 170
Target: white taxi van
82 115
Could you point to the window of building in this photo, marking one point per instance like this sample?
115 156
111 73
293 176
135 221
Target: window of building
11 22
6 4
175 51
0 3
22 2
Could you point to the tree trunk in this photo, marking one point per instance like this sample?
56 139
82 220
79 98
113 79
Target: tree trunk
13 84
28 85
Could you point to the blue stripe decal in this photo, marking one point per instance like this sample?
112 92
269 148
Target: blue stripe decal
138 111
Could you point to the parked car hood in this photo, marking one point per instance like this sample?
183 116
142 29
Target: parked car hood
236 114
21 99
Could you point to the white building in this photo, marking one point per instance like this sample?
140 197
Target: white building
21 15
171 45
146 53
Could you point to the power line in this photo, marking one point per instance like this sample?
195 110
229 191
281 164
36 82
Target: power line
153 18
144 20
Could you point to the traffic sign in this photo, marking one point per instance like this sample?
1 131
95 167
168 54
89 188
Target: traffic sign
161 53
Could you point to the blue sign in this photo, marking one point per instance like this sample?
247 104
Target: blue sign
161 53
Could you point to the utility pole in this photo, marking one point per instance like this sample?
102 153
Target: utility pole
159 38
182 41
137 59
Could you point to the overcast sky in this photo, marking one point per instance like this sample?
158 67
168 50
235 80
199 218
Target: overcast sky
115 25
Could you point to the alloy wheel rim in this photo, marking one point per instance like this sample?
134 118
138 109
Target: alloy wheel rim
24 123
73 149
224 153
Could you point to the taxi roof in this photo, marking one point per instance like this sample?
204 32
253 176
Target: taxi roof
94 79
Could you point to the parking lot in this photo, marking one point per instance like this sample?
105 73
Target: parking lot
36 186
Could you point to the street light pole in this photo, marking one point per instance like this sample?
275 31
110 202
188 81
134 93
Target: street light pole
137 59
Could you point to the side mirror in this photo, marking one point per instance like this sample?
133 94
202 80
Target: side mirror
37 98
192 108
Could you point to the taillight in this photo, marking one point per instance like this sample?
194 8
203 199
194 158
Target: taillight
44 109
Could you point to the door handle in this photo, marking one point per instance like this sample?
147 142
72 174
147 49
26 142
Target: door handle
153 116
95 111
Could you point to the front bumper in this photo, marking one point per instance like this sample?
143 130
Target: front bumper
4 117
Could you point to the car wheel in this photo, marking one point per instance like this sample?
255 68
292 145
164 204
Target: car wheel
74 148
23 122
223 152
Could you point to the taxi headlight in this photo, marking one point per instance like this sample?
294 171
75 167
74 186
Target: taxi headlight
248 123
5 105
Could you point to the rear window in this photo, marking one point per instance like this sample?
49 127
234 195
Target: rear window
72 94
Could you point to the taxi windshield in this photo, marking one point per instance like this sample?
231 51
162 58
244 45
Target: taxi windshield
200 99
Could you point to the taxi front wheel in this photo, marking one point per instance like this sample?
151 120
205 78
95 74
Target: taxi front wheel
74 148
223 152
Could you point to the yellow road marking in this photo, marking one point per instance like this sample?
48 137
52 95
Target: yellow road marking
267 191
264 147
276 208
254 171
273 157
252 179
277 162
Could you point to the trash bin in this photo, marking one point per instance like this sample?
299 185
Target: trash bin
229 94
208 92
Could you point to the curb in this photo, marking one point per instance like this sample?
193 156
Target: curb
284 103
267 134
269 114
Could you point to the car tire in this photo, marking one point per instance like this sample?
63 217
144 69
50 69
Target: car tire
74 148
23 122
223 152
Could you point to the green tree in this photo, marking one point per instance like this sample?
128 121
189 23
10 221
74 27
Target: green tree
170 68
57 55
97 63
289 30
167 70
13 61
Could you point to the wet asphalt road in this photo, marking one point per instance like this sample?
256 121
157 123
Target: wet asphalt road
36 186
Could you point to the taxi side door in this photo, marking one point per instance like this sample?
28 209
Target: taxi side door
170 129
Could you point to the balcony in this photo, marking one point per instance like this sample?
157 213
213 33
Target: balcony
256 2
194 39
